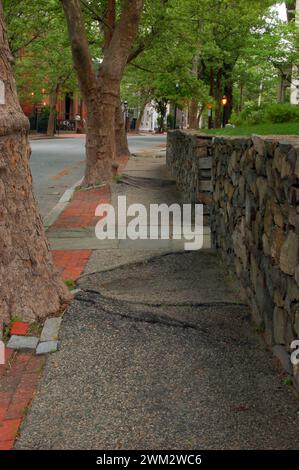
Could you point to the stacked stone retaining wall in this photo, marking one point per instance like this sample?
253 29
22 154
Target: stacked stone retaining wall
254 216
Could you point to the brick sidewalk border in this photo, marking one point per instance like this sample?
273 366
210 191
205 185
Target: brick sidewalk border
20 374
80 212
19 378
71 263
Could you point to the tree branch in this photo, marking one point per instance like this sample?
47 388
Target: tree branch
80 48
117 53
96 16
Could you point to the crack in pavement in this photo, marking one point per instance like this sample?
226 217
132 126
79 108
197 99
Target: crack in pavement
149 317
113 307
168 304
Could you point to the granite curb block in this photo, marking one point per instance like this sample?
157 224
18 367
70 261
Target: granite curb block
47 347
23 342
46 343
50 330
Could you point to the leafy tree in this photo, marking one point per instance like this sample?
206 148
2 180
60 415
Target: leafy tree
199 49
43 61
101 88
30 285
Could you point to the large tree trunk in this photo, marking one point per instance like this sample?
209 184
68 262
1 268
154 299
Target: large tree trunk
52 115
228 109
281 90
193 109
140 116
218 96
30 286
193 114
100 136
121 140
101 91
291 5
212 87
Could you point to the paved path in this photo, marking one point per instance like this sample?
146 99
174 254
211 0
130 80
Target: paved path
157 352
57 164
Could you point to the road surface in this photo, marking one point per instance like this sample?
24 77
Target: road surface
56 164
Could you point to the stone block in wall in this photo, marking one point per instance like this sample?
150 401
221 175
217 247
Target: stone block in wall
201 152
247 160
229 190
250 208
268 219
297 165
289 254
277 240
279 298
254 271
296 322
205 163
280 325
233 164
239 246
259 145
278 216
294 194
205 185
266 245
205 198
293 290
293 219
262 190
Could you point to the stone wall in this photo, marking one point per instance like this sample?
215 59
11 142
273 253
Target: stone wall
254 215
189 159
255 224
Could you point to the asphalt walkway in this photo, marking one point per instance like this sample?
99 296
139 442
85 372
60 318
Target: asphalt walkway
157 352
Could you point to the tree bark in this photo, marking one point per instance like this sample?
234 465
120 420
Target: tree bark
212 87
30 286
52 115
240 106
140 116
291 5
193 110
218 96
193 114
121 141
280 90
109 25
101 91
228 109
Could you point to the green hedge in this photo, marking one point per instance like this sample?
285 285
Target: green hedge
282 113
274 113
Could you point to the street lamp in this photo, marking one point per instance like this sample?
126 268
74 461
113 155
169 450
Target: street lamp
224 102
177 88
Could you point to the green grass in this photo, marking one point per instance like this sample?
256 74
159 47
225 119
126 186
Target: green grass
287 128
117 179
70 283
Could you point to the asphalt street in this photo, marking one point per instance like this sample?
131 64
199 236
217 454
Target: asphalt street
57 164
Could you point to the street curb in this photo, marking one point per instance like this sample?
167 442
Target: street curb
61 205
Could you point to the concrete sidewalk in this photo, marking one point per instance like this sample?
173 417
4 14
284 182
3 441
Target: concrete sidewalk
157 352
